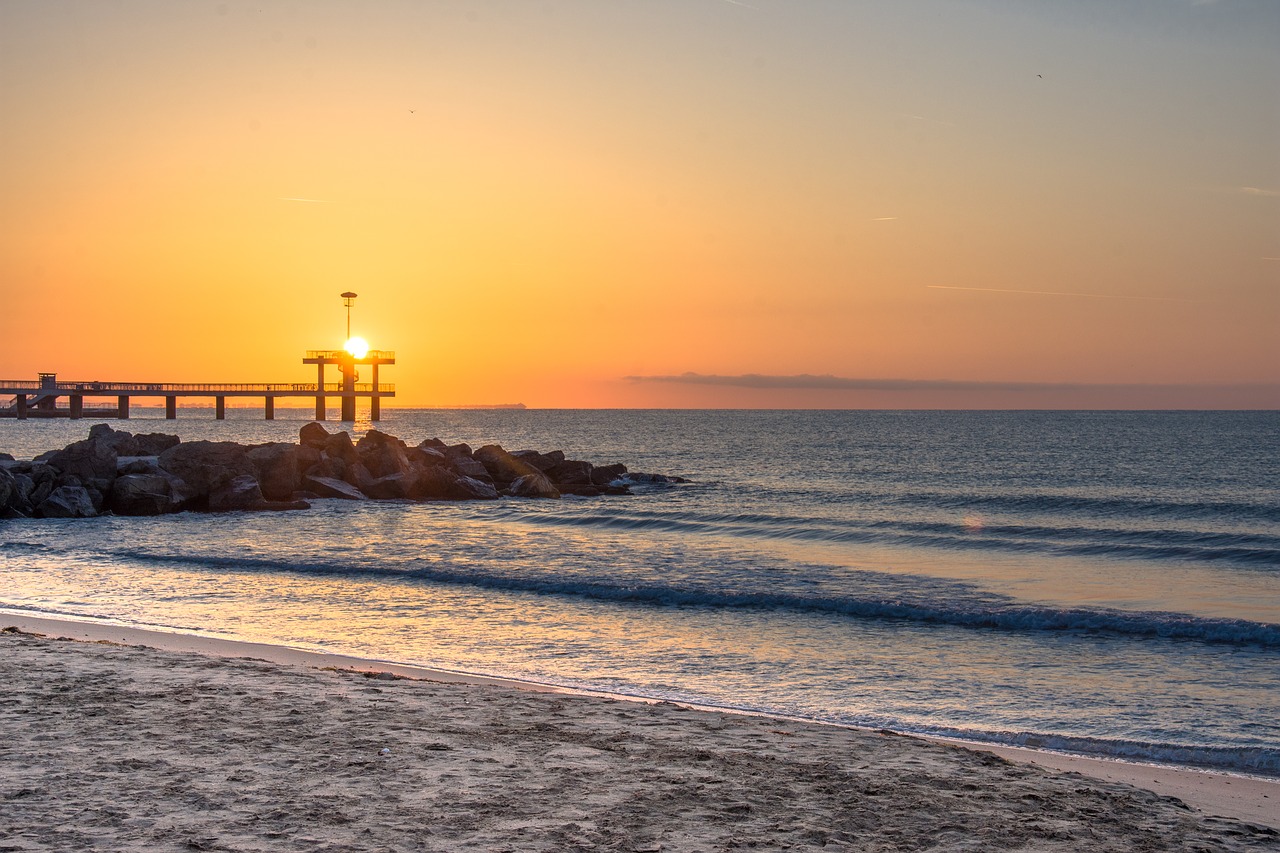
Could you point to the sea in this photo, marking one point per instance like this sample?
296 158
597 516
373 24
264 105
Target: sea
1100 583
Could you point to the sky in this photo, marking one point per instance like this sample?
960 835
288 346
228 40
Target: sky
668 203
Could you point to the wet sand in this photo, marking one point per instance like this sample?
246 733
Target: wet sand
115 743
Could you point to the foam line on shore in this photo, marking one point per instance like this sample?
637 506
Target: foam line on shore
1214 793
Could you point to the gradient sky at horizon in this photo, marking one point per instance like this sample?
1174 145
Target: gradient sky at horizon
990 202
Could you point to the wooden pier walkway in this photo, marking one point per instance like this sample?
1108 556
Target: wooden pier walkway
39 398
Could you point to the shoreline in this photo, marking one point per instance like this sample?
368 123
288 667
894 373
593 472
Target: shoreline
1212 793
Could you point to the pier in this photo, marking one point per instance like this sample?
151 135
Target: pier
39 398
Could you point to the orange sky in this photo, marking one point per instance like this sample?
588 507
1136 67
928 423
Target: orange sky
578 203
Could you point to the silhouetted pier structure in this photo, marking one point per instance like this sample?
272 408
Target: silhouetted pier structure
39 398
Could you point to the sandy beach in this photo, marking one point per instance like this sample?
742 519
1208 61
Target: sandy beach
113 743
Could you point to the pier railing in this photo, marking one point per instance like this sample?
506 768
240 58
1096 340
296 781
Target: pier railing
371 355
160 388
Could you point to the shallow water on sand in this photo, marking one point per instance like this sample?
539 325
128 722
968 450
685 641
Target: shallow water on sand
1101 582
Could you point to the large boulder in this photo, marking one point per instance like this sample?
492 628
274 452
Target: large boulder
534 485
434 483
93 460
313 435
426 457
571 473
359 476
442 484
465 466
502 466
338 446
42 476
119 440
154 443
328 487
142 494
206 465
67 502
383 454
238 493
276 466
397 486
21 501
468 489
8 488
307 456
603 475
542 461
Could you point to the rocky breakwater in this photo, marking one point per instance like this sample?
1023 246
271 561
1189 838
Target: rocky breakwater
113 471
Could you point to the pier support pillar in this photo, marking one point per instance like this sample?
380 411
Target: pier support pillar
122 407
271 408
77 407
348 370
22 407
375 402
320 407
220 408
170 408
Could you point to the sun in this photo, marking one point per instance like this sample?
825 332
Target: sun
358 347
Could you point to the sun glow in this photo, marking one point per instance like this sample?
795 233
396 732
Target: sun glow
358 347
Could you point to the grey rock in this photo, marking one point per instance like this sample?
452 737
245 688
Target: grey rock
434 483
8 489
206 465
534 485
154 443
67 502
328 487
313 435
142 494
395 486
502 466
41 492
137 465
91 460
276 466
25 488
426 457
339 447
542 461
468 467
603 475
571 473
383 454
468 489
239 493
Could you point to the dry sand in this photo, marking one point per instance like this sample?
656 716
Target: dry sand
128 747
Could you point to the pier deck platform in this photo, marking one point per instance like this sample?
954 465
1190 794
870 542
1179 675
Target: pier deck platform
39 398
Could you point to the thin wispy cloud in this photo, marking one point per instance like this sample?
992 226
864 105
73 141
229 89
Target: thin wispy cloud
927 119
828 382
1060 293
307 200
882 218
1262 191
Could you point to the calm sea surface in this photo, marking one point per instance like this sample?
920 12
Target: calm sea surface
1096 582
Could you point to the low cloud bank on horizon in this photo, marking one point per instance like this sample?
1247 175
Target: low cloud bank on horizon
827 382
